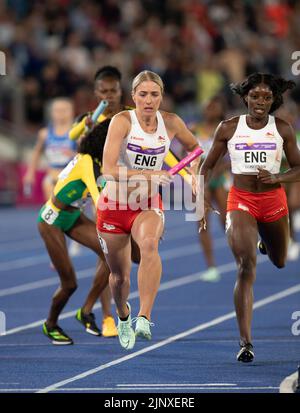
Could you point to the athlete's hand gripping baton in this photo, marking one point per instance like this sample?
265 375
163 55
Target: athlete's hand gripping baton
99 110
81 127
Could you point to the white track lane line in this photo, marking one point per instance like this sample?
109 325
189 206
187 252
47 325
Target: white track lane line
44 258
176 384
165 256
200 327
20 246
32 261
167 285
105 389
46 282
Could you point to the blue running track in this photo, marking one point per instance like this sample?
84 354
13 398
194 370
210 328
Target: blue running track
195 337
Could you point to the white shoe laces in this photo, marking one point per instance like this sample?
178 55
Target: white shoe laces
135 320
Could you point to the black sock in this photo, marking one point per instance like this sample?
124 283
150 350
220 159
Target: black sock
144 317
124 319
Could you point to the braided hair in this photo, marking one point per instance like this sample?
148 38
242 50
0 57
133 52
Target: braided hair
93 142
277 84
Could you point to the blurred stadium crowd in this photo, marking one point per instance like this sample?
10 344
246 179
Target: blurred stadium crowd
199 47
54 47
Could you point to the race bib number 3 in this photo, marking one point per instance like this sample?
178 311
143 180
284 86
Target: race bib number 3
49 215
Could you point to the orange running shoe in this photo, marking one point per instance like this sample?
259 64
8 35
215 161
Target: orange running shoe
109 328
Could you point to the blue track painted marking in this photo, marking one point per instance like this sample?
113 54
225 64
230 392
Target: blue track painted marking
185 363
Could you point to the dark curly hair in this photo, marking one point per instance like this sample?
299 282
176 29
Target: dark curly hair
93 142
277 84
108 71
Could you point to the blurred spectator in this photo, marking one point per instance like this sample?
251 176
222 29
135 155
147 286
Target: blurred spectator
33 101
75 56
198 47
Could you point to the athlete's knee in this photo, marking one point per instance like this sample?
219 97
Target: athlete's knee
148 246
120 277
70 287
247 268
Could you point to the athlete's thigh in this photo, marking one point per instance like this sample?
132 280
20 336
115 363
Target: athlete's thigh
148 224
84 232
241 229
117 250
276 235
53 237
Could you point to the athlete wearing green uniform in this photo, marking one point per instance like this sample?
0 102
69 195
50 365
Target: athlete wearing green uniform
62 215
107 86
74 184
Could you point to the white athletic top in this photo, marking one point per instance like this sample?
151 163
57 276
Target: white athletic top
249 148
142 150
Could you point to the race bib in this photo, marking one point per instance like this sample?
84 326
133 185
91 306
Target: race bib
49 215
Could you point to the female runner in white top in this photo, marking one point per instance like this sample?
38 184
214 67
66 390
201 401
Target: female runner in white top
256 202
136 145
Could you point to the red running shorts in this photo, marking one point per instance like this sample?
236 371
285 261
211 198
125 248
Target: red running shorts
263 206
116 218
